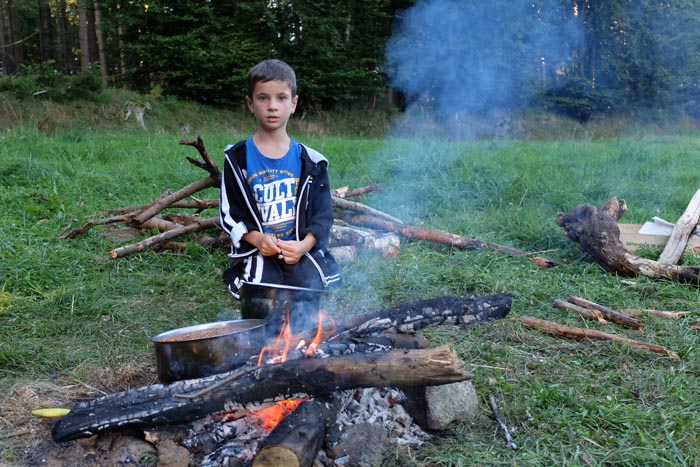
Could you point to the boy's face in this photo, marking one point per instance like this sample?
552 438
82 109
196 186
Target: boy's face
272 104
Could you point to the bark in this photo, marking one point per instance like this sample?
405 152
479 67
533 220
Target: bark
445 238
83 35
608 313
681 232
100 43
346 192
159 239
569 332
46 44
296 440
63 50
163 405
595 231
6 58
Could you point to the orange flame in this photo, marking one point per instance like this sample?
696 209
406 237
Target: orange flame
271 416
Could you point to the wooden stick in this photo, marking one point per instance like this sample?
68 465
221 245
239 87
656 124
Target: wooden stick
569 332
499 419
346 192
681 232
594 315
661 313
363 209
610 314
446 238
203 224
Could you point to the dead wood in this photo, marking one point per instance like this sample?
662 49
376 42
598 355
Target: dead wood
165 201
354 206
207 164
661 313
159 239
611 315
595 232
346 192
681 232
593 315
415 315
569 332
442 237
158 405
296 440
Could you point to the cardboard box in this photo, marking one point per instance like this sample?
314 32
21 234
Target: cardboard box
632 239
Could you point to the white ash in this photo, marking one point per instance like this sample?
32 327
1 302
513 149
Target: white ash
231 439
383 405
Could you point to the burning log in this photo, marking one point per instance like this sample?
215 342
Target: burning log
296 440
595 231
161 405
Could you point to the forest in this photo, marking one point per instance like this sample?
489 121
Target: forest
580 58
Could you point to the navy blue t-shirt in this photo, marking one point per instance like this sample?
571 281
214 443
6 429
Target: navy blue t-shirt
275 183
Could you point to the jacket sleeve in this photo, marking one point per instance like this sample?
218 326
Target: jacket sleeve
320 209
235 212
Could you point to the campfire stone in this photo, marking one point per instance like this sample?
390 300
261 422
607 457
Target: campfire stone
171 454
363 444
434 408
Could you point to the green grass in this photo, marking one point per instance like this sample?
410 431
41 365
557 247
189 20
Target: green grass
66 309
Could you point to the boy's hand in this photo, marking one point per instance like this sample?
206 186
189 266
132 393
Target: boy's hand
292 250
265 243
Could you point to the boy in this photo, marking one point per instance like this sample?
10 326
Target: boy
275 194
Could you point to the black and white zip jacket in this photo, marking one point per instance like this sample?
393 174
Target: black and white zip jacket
239 214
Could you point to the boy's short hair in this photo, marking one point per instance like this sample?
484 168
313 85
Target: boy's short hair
271 70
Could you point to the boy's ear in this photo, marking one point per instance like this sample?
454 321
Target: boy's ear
249 101
295 99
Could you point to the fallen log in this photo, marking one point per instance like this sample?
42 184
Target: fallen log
296 440
158 405
569 332
442 237
595 231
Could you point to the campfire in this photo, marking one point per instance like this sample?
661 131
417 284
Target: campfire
306 398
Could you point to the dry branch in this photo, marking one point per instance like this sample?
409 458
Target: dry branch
610 314
593 315
569 332
681 232
663 314
442 237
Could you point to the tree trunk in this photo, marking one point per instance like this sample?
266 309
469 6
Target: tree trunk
161 405
46 43
83 35
62 49
5 39
101 44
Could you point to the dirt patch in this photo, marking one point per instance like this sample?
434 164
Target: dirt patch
25 439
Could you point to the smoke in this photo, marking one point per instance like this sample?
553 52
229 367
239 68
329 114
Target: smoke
456 59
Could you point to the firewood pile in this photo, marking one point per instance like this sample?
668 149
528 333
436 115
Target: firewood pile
358 227
369 375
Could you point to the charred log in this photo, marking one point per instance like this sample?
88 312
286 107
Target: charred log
161 405
296 440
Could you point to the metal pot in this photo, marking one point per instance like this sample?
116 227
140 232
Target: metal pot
271 302
207 349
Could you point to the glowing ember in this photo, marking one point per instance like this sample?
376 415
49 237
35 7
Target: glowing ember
271 416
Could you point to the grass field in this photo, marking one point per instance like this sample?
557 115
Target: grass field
70 316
